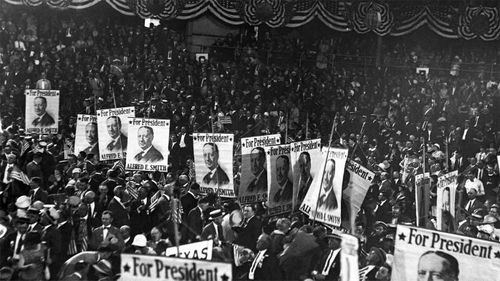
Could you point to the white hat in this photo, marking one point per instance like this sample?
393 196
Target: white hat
139 240
53 213
77 170
23 202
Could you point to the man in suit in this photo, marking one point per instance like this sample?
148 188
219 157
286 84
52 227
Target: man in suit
148 154
43 119
106 234
328 200
383 210
196 220
190 199
91 137
52 237
116 206
13 242
257 166
305 178
37 193
33 168
213 230
285 186
248 234
216 176
473 203
118 141
94 211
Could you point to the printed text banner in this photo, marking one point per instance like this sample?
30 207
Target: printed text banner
86 135
213 162
279 179
199 250
253 181
323 200
306 158
42 111
445 201
356 187
112 126
157 268
429 251
148 144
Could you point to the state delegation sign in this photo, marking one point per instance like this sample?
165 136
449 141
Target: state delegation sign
420 253
157 268
199 250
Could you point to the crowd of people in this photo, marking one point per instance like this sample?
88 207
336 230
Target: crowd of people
384 111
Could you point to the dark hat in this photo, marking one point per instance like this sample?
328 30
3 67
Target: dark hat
379 253
380 223
203 200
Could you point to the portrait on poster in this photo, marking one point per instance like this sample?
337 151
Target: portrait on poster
280 179
148 144
253 181
213 155
86 138
42 111
112 127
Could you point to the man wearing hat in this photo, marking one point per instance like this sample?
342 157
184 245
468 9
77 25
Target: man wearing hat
196 220
34 215
213 230
33 168
37 193
14 241
140 244
51 235
327 267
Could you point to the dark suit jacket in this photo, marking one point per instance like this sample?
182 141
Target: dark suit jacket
195 223
118 147
45 121
65 230
33 170
92 150
153 155
9 242
120 214
220 177
209 231
285 194
97 237
188 202
40 195
260 185
329 202
303 189
249 233
52 236
384 212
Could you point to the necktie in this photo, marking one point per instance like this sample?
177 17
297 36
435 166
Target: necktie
140 156
36 121
322 200
20 244
277 196
111 145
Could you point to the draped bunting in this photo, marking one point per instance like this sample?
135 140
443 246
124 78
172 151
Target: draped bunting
381 17
372 16
482 22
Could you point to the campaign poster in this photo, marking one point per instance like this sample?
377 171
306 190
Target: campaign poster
354 188
411 165
423 254
42 111
349 270
213 163
147 144
306 158
253 181
199 250
112 128
86 139
422 198
323 201
445 201
157 268
279 179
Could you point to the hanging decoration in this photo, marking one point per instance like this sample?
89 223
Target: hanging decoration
274 13
159 9
482 22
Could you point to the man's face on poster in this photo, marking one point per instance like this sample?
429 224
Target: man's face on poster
327 182
211 156
435 268
91 133
282 170
446 200
257 161
305 165
144 138
114 127
40 105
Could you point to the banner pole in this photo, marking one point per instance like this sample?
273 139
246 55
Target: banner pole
176 225
323 172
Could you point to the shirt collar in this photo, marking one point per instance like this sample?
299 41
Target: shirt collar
146 150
